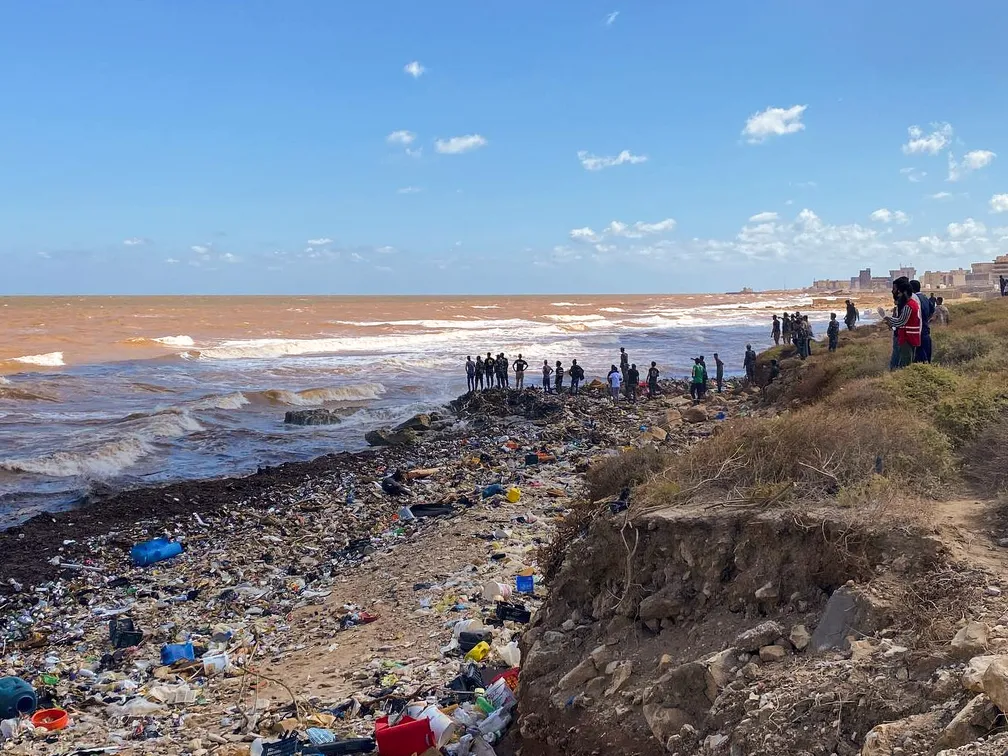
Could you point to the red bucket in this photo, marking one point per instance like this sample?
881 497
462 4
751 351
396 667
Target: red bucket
408 737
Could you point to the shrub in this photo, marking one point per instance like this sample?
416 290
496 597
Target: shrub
956 348
608 476
986 458
965 414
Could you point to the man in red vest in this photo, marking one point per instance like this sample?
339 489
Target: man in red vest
907 322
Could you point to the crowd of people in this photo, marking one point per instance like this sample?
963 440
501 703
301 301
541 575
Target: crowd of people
910 321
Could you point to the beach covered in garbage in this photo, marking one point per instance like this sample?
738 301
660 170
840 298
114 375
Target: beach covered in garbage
360 603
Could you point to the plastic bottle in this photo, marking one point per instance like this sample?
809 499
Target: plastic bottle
17 698
157 550
495 724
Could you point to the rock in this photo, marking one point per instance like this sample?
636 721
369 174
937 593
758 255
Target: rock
655 434
767 592
620 676
665 721
799 637
888 738
721 671
848 612
992 590
673 418
972 679
694 415
713 742
385 437
542 659
862 649
995 682
601 655
312 417
578 676
684 687
971 640
419 423
750 671
974 721
665 663
595 687
770 654
659 606
764 634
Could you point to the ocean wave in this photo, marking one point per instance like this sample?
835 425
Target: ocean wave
486 307
52 359
611 309
10 392
570 304
4 381
233 401
175 341
110 457
462 323
318 396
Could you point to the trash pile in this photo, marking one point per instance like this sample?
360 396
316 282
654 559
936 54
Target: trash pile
293 620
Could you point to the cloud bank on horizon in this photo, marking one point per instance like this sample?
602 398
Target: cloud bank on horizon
257 167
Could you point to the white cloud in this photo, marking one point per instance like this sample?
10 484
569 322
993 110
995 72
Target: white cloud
409 190
583 234
932 143
201 249
619 229
598 162
414 69
418 152
884 215
171 261
974 160
459 144
320 242
611 18
913 175
774 122
402 136
940 195
660 227
763 217
999 203
135 241
228 257
968 228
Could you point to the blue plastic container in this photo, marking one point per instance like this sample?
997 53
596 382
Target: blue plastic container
176 652
157 550
525 583
494 489
17 698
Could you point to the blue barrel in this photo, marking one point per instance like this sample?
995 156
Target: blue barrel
150 552
525 583
17 698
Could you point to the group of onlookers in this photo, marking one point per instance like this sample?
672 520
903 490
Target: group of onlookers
910 320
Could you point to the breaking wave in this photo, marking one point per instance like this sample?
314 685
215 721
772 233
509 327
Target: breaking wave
8 392
318 396
175 341
233 401
52 359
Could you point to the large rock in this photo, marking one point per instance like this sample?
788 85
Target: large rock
418 423
974 721
673 418
386 437
764 634
659 606
799 637
771 654
721 671
995 682
620 676
848 612
972 679
578 676
312 417
694 415
665 721
971 640
685 687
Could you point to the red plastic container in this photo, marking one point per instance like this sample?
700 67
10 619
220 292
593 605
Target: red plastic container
410 736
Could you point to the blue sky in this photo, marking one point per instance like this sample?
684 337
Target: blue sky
264 147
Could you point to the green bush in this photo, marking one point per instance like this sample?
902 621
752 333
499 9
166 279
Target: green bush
957 348
964 415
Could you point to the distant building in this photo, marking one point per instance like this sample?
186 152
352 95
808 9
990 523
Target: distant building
864 279
907 271
830 284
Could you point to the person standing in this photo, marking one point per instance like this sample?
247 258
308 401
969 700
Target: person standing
924 351
624 364
489 368
933 302
852 315
749 363
559 375
706 379
941 315
547 372
633 379
774 370
614 379
652 380
577 375
519 367
470 374
907 323
786 328
719 372
478 377
696 382
833 332
775 330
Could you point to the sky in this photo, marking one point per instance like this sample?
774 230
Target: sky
320 147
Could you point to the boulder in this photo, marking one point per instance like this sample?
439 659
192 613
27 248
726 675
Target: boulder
312 417
654 434
848 612
974 721
721 671
665 721
673 418
764 634
972 679
995 682
418 423
767 592
685 687
694 415
971 640
578 676
620 676
771 654
659 606
799 637
386 437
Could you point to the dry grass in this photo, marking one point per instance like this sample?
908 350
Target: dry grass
932 604
986 459
610 475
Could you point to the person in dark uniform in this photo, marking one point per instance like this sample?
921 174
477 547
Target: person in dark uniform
470 374
559 376
489 368
478 377
547 371
719 372
652 381
775 330
633 378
